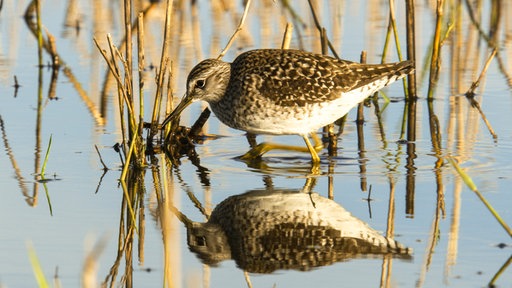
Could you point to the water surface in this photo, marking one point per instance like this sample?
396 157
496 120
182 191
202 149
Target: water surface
425 206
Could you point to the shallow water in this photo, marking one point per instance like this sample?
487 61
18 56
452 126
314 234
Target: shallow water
455 240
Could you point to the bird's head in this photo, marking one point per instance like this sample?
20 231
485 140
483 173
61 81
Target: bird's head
207 81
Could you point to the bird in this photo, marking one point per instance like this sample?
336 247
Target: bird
284 92
264 230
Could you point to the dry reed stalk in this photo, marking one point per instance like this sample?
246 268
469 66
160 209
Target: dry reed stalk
238 29
128 48
411 47
141 63
114 70
392 21
360 138
329 129
326 45
435 61
164 60
17 171
287 37
500 271
470 94
474 85
91 106
90 266
108 77
320 28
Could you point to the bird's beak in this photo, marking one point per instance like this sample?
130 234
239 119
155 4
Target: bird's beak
177 111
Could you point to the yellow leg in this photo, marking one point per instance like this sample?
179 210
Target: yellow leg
264 147
318 143
312 150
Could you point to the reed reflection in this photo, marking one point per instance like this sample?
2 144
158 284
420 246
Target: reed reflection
265 230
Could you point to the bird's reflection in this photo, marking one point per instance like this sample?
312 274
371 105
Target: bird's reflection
271 229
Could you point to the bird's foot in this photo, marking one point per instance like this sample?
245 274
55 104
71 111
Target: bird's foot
256 152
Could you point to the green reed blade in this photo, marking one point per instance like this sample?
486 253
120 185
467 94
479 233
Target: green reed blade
43 168
469 182
36 267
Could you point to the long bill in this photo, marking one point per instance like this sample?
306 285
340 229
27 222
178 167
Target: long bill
177 111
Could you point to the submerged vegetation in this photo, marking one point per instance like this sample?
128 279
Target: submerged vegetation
461 48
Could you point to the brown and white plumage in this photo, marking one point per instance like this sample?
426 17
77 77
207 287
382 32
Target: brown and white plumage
274 91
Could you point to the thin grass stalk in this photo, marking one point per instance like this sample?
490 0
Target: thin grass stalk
436 47
39 34
48 200
36 267
329 129
383 56
122 92
164 59
477 24
411 46
475 84
90 266
128 160
111 276
170 90
386 40
17 171
319 28
397 39
238 29
128 95
141 63
390 231
326 45
108 76
37 156
141 231
499 272
360 138
471 185
470 95
114 70
128 47
164 200
46 156
395 30
287 37
128 201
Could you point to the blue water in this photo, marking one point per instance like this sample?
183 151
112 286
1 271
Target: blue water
462 252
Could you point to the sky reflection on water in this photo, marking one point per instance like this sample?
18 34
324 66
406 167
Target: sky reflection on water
453 247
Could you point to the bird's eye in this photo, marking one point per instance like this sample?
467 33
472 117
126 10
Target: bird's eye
200 83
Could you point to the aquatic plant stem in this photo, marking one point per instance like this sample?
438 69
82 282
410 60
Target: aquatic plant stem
238 29
319 28
411 46
164 60
140 54
43 168
287 37
471 185
435 61
36 267
500 271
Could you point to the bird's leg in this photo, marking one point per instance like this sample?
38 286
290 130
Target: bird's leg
312 150
260 149
318 143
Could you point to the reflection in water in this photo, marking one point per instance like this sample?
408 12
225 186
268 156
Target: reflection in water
267 230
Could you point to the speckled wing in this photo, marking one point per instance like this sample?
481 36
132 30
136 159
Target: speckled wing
294 77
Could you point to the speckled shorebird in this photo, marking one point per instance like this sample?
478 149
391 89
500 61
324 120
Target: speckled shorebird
274 91
271 229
